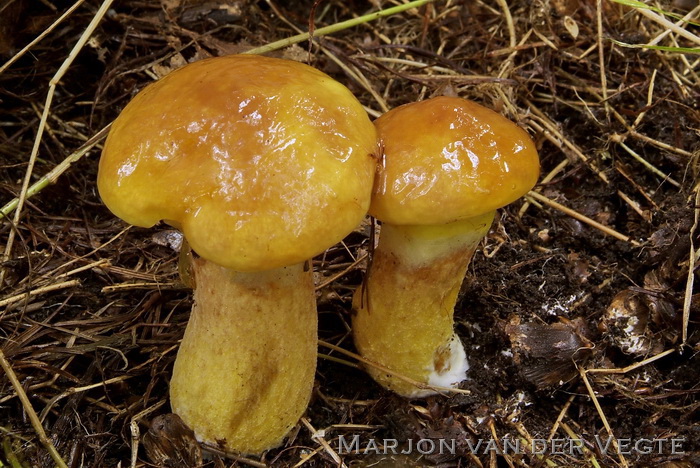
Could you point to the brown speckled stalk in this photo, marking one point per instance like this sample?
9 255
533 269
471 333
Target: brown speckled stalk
245 369
404 314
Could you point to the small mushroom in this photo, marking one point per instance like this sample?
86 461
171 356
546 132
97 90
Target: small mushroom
262 163
448 164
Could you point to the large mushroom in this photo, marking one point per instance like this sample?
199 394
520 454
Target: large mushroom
448 164
262 163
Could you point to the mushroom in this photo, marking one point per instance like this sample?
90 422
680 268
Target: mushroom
448 164
262 163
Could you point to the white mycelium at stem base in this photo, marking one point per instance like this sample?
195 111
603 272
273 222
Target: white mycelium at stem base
251 157
448 164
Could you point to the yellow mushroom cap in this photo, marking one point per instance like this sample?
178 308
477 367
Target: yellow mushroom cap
261 162
448 159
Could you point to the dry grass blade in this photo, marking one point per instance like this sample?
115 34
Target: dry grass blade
632 367
506 456
588 453
10 454
27 405
689 16
135 431
36 292
339 275
560 417
351 71
688 296
669 25
601 55
237 458
650 167
602 416
74 390
337 27
42 124
580 217
319 438
43 34
56 172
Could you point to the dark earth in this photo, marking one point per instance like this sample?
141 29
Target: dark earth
571 331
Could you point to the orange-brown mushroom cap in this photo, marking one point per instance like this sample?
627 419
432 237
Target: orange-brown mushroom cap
449 159
261 162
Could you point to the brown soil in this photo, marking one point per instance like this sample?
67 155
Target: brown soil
93 354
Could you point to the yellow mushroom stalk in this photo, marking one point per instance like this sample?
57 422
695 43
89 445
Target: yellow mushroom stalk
240 377
448 165
262 163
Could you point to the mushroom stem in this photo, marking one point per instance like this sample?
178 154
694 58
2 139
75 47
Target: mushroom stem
245 369
404 311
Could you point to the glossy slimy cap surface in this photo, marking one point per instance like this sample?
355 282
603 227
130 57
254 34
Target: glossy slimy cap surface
261 162
448 159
